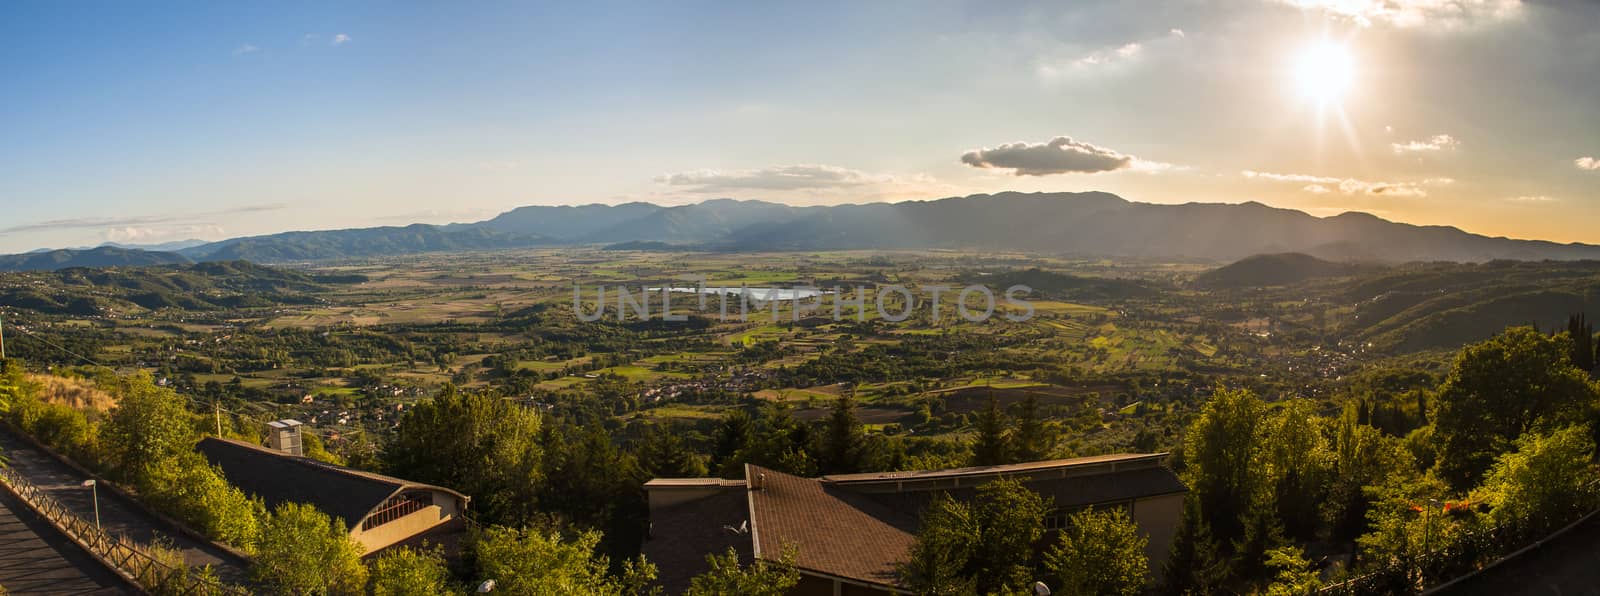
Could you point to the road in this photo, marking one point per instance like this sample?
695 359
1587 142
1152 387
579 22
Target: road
118 516
37 559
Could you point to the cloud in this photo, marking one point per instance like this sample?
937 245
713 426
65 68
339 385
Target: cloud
134 221
1176 32
1587 163
1533 199
789 177
245 49
1063 64
1439 142
1061 155
1412 14
340 39
1321 185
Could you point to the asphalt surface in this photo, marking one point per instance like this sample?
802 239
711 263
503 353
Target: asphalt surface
37 559
118 516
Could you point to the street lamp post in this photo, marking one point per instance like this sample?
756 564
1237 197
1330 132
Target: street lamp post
94 489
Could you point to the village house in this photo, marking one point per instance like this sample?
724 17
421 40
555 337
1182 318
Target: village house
850 533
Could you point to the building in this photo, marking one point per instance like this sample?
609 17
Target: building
850 533
379 510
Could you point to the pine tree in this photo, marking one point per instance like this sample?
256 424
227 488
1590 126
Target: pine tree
844 438
1034 439
991 448
1582 333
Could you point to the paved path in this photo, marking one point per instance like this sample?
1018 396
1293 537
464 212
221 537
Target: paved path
35 558
1566 565
118 516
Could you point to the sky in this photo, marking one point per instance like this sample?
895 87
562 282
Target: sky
146 123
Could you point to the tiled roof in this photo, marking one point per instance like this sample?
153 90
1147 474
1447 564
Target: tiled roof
832 530
1007 469
345 493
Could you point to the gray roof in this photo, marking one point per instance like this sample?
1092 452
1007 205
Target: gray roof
345 493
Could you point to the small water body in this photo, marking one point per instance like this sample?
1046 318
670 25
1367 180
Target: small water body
756 294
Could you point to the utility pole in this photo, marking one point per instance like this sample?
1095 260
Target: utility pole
2 338
217 404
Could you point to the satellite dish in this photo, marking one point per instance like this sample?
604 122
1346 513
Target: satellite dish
1039 589
486 587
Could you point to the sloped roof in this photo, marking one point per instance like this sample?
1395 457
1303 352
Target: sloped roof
832 530
681 536
345 493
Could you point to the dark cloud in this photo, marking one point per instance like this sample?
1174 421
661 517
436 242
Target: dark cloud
1061 155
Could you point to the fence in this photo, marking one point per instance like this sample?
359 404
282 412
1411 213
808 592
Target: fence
123 555
1464 555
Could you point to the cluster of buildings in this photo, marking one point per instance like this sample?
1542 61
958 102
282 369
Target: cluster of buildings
848 534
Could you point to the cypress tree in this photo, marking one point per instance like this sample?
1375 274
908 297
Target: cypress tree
991 448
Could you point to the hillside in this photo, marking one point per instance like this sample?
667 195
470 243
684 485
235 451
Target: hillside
1272 270
104 256
362 242
200 287
1091 224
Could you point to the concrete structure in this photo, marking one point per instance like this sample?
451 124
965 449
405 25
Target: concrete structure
284 436
379 510
850 533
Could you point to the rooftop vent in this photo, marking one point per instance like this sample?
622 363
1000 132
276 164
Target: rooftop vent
283 436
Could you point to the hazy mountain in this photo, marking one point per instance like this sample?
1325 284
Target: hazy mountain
1273 270
173 246
1088 224
565 222
361 242
105 256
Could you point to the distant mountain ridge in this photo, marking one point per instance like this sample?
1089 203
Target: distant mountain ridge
104 256
1094 224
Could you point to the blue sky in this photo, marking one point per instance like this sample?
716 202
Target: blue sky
162 122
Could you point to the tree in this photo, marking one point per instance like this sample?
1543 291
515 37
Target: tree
149 427
1297 462
1222 451
1499 389
1547 480
532 562
1295 576
1035 440
760 578
403 571
191 489
986 545
938 562
1099 552
843 438
480 444
991 447
303 551
1582 336
663 453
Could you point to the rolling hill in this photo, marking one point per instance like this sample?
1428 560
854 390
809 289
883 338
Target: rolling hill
104 256
1272 270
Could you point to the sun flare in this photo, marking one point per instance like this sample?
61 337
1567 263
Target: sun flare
1324 72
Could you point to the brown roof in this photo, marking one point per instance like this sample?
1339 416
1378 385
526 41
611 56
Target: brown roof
832 530
1002 470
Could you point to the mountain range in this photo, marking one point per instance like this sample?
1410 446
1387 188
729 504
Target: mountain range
1088 224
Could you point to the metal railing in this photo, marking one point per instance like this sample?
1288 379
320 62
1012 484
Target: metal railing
123 555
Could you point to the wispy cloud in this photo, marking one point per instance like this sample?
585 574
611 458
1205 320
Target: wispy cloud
340 39
1411 14
245 49
1321 185
787 177
1434 144
83 223
1059 65
1533 199
1587 163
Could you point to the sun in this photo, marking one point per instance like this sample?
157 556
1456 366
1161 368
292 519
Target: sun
1323 72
